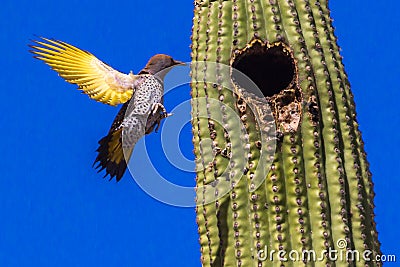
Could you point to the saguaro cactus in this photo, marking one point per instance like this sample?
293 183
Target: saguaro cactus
316 193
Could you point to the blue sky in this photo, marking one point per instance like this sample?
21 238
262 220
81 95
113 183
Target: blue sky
55 210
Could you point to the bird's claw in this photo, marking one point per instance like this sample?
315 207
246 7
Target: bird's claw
158 113
156 107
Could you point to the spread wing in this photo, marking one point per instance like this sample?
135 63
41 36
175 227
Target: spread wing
94 77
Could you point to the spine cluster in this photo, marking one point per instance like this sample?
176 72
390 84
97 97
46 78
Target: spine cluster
316 192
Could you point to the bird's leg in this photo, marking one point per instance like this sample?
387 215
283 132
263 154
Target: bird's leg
158 123
154 121
158 113
158 107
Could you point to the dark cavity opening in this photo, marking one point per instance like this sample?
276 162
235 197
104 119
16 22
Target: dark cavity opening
271 69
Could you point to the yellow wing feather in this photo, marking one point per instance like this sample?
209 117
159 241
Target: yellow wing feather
94 77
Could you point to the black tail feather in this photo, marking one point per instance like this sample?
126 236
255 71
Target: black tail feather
104 160
112 161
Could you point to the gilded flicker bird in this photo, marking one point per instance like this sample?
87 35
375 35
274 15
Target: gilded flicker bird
141 95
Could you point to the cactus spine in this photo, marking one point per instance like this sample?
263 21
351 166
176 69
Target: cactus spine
317 194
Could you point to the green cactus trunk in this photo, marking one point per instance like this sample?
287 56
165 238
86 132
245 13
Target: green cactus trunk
317 194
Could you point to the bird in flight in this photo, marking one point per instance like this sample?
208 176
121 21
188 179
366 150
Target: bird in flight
140 94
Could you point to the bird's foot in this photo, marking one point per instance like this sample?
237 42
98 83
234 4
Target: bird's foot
158 113
156 108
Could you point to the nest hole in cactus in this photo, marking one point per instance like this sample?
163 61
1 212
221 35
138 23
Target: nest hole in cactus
270 66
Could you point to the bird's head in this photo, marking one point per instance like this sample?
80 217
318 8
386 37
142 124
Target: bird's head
158 63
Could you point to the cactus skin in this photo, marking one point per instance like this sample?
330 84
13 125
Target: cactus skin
318 189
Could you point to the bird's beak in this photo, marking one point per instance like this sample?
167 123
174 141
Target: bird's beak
176 62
